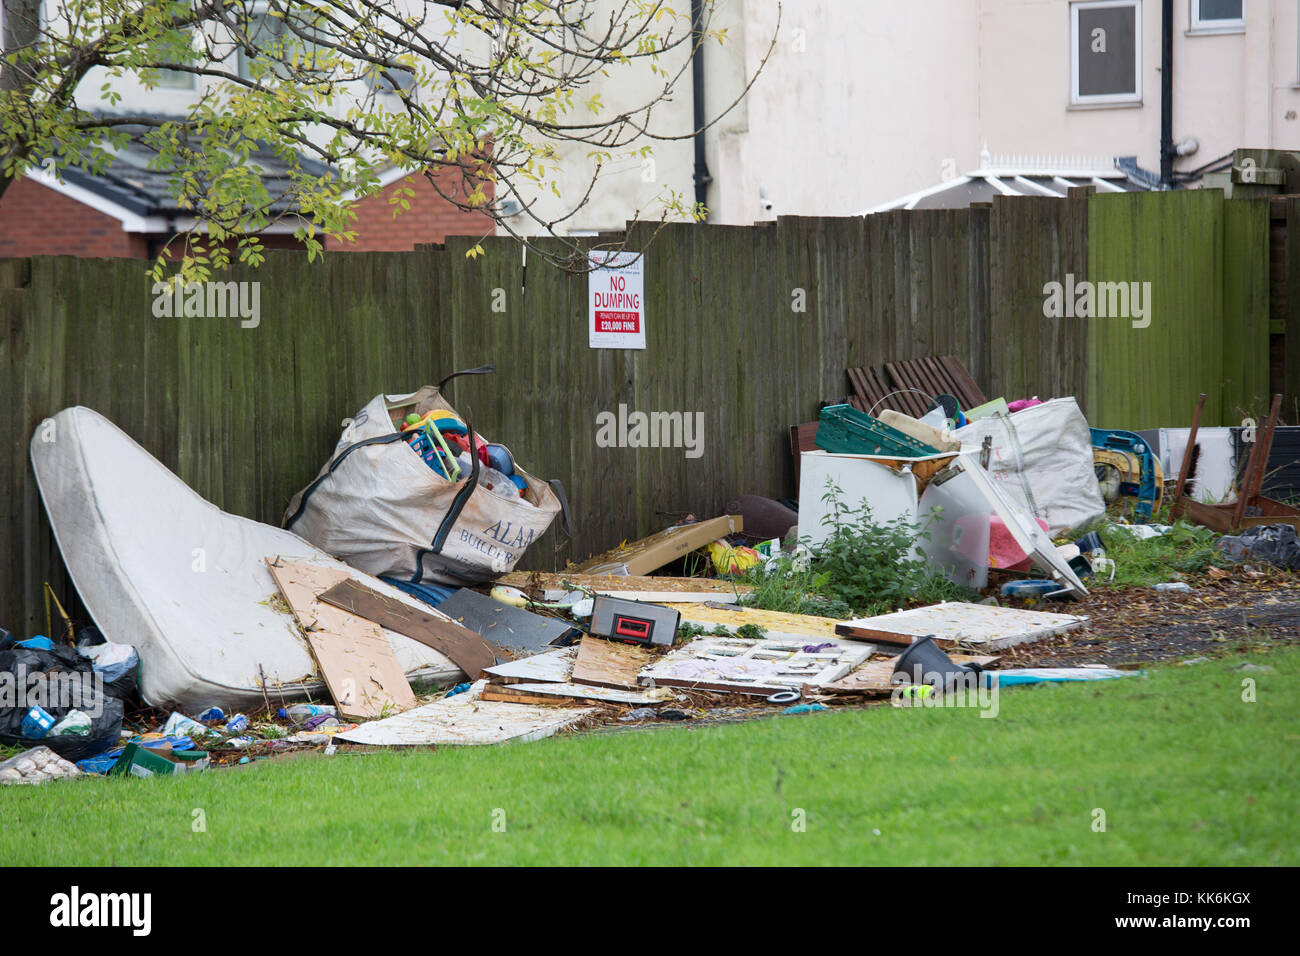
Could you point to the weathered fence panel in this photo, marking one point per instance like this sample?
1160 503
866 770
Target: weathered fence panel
748 327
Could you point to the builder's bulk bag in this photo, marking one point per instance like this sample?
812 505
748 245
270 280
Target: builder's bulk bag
1042 459
378 506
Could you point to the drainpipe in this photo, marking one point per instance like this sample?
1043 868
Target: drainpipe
702 177
1167 94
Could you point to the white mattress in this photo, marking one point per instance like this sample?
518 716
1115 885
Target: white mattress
185 583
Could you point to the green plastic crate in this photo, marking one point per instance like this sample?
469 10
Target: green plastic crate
846 431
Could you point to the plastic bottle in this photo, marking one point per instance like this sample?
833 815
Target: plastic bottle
301 713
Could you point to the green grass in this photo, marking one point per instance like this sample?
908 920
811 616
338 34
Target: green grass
1186 772
1187 549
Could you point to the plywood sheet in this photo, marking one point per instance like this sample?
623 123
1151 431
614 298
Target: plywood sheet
957 624
603 663
355 659
775 623
468 650
466 720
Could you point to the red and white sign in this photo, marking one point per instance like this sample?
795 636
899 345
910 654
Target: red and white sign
616 300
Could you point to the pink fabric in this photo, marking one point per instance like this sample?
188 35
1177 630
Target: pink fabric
1004 553
1020 404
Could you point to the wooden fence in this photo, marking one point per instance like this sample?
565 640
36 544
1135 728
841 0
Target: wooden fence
752 326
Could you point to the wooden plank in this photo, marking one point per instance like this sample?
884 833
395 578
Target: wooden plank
968 390
469 651
355 659
957 624
553 693
657 590
650 554
902 382
603 663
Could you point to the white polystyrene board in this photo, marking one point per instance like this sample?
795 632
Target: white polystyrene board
889 494
550 666
183 582
983 626
769 663
466 720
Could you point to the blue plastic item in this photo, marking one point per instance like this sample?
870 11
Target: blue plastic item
430 594
100 763
1057 675
173 743
38 643
37 723
212 713
1030 589
804 709
1146 490
500 459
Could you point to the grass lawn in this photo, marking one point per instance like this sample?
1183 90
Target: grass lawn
1185 771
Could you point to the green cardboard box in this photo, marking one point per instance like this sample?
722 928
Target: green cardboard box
138 761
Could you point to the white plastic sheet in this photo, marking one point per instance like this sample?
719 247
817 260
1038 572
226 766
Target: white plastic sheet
1042 461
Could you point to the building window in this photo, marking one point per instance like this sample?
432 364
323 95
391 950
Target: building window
1218 16
1106 52
284 44
177 47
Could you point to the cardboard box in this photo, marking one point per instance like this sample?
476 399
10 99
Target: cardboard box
138 761
652 553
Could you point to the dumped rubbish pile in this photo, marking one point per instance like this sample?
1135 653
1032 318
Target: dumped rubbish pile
383 614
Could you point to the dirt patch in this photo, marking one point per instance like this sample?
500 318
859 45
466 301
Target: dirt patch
1142 625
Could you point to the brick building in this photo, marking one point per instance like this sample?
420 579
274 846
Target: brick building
128 212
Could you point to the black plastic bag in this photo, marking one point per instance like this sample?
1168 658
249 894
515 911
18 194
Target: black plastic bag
21 666
1276 544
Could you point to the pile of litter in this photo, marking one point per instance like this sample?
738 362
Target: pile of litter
234 633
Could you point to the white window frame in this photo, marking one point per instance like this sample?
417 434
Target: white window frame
1105 99
243 62
1199 27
